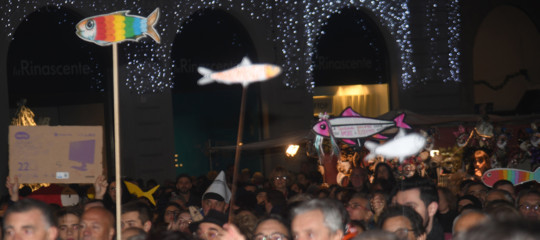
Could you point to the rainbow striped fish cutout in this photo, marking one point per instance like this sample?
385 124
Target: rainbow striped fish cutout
516 176
118 27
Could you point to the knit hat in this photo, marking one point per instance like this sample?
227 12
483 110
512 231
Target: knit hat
218 189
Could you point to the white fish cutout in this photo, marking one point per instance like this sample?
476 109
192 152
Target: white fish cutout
401 146
244 73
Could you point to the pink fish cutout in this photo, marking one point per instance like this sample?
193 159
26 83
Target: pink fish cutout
350 125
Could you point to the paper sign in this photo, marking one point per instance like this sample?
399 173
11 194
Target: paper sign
62 154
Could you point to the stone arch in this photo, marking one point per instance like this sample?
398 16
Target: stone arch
357 31
222 43
506 54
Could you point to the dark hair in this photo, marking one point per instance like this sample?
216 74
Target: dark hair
391 177
145 213
503 230
276 218
476 204
169 235
141 234
524 193
376 234
428 191
502 210
183 175
68 210
417 223
28 204
502 182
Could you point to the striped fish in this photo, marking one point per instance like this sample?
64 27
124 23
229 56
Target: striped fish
516 176
118 27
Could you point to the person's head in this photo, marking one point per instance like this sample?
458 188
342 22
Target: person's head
209 227
272 227
528 203
506 186
136 214
279 178
172 209
466 220
420 194
276 201
404 221
376 234
359 178
97 223
217 196
111 190
134 233
383 171
318 219
496 194
358 207
183 183
29 219
378 201
503 230
93 203
501 210
481 163
469 202
477 189
68 223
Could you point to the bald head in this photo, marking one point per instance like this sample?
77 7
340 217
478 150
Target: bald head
97 223
468 219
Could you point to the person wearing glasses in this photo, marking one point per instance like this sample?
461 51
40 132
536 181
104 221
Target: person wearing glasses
404 222
358 208
272 228
280 180
318 219
528 204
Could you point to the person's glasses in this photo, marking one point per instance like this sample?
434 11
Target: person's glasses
273 236
403 233
527 207
280 178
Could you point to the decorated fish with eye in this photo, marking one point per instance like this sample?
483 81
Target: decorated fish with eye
350 125
118 27
516 176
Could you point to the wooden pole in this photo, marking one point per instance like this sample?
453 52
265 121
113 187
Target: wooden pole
116 108
238 151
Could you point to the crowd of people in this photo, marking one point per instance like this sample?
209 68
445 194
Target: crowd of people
284 206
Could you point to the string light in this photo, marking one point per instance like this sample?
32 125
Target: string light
294 28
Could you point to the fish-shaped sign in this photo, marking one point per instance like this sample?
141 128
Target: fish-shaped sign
118 27
350 125
244 73
516 176
134 189
401 146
